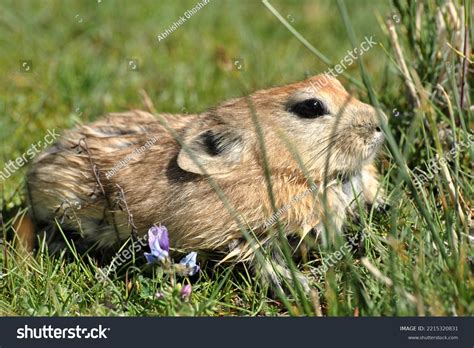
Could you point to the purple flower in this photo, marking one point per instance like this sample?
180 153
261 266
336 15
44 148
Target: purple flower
186 291
159 295
189 262
159 244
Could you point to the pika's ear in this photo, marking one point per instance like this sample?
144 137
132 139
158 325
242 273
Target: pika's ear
218 150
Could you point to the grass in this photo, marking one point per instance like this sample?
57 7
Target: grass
415 259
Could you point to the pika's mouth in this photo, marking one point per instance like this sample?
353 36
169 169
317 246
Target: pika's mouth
374 143
377 139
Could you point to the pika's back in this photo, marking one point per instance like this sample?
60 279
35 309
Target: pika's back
73 180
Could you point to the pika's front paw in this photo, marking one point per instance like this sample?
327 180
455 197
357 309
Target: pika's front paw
381 205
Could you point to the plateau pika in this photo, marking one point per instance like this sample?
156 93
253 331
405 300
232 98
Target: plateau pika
317 142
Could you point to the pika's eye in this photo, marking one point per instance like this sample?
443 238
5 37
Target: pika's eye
309 108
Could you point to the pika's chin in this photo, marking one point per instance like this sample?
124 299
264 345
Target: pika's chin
373 147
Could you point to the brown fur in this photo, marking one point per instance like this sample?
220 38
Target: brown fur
166 185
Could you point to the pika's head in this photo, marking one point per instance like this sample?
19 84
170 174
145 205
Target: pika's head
315 122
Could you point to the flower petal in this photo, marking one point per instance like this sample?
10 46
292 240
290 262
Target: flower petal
156 248
159 295
160 254
152 236
186 291
150 258
160 234
159 243
164 240
189 261
194 270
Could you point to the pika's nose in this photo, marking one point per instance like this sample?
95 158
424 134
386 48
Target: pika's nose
378 129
